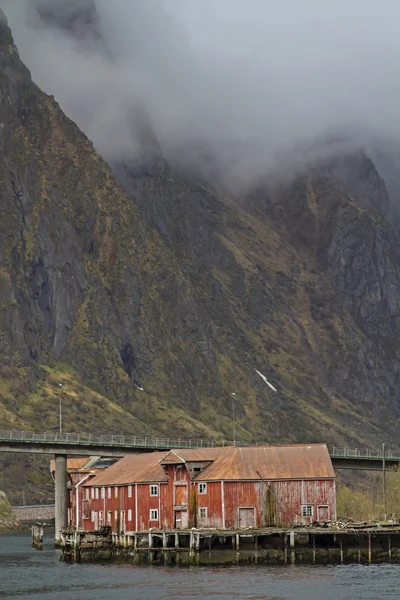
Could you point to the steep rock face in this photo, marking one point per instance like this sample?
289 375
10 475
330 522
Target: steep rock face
357 250
79 268
356 173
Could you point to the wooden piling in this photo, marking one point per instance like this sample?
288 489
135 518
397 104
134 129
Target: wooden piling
195 546
369 548
292 551
37 537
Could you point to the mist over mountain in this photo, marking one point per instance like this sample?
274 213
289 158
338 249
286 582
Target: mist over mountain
240 81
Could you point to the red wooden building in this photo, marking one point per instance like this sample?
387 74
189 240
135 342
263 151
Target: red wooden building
80 470
211 488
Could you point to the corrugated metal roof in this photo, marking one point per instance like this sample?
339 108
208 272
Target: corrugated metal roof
295 461
73 464
134 468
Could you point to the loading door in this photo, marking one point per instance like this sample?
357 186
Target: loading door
181 495
246 517
323 513
181 519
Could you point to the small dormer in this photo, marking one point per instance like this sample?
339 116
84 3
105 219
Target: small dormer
172 458
194 462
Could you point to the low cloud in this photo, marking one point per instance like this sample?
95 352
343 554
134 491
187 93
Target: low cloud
249 79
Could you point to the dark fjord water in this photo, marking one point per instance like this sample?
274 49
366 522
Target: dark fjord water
26 573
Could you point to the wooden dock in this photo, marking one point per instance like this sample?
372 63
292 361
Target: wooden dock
269 546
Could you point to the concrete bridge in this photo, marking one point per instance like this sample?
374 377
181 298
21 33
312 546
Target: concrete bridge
62 445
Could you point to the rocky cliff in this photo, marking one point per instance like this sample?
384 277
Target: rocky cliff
8 521
152 296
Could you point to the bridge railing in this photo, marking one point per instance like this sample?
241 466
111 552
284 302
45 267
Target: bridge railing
84 439
364 453
105 440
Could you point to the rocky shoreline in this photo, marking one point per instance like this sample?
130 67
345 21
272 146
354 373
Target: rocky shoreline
8 521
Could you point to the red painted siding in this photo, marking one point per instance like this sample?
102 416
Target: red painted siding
291 496
212 501
246 503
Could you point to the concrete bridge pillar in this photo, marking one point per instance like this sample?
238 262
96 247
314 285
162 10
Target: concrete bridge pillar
61 494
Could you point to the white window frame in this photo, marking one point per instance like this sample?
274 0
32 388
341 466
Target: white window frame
129 491
103 493
109 516
109 492
87 493
92 516
202 488
154 492
92 493
96 491
154 514
307 510
129 514
116 515
115 492
205 510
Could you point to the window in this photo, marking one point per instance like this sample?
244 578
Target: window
203 512
129 515
197 469
115 492
154 490
103 492
109 492
202 488
153 514
307 510
92 493
92 516
109 515
101 516
116 515
87 493
129 491
97 493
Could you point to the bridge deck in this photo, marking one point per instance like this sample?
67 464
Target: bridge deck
118 445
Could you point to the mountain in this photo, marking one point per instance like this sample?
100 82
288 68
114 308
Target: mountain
152 294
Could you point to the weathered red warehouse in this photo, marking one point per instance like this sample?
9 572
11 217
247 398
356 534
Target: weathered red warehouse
212 488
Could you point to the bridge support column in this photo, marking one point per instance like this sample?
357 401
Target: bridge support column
61 495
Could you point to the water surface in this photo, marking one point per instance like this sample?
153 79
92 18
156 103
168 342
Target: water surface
26 573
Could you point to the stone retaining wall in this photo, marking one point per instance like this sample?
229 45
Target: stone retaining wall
33 514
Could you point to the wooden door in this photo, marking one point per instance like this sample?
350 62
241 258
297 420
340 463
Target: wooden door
181 495
323 513
122 522
246 517
181 519
185 519
178 519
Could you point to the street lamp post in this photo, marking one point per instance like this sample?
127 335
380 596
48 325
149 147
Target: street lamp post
59 408
233 418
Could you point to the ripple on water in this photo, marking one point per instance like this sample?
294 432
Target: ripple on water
26 573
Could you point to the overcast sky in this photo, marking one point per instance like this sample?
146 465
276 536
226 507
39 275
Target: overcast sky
254 75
